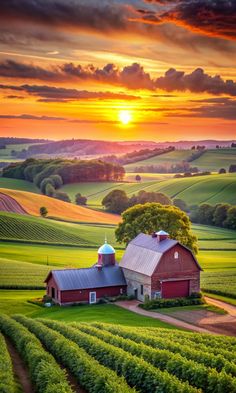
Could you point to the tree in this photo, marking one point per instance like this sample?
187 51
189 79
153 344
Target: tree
43 211
49 190
116 201
44 184
205 214
138 178
57 181
181 204
62 196
150 217
220 214
159 197
80 200
230 221
222 170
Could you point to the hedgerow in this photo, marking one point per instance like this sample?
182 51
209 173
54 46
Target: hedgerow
136 371
88 372
208 359
44 371
6 370
186 370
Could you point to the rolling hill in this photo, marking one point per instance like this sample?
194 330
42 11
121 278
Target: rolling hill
32 202
212 189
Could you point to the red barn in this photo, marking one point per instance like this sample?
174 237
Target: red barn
156 266
88 285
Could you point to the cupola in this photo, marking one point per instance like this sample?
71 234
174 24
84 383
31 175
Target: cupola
162 235
106 255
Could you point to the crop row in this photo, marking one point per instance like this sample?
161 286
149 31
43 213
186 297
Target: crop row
200 376
6 371
208 359
46 374
216 347
137 372
11 227
90 375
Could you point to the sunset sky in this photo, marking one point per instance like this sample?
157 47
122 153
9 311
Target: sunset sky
136 70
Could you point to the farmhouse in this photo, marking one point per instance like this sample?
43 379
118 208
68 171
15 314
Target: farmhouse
152 266
156 266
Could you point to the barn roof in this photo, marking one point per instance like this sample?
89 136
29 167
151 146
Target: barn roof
144 253
72 279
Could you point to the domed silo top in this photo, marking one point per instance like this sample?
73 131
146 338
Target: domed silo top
106 249
106 255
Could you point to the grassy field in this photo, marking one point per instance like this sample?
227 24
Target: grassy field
6 156
217 253
212 159
17 184
212 189
14 302
32 202
171 158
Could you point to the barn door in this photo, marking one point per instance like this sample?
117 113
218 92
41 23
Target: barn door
92 297
172 289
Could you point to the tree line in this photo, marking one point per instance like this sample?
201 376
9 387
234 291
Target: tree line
220 215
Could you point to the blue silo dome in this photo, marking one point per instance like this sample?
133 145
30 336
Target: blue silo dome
106 249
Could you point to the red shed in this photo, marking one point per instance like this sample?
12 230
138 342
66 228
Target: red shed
106 278
157 266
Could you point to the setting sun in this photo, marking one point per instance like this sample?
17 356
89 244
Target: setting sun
125 116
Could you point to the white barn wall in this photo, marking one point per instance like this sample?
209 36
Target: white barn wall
135 280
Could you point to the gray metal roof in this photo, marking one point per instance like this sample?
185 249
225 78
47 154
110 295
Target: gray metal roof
72 279
144 253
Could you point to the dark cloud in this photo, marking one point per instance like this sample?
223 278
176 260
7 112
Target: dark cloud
71 14
222 108
60 94
31 117
14 69
210 17
131 76
196 82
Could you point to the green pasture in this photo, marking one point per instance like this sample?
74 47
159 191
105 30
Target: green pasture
15 302
5 154
213 160
194 190
169 158
17 184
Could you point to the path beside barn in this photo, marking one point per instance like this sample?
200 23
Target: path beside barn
201 321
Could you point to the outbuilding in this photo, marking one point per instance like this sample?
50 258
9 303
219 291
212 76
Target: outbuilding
157 266
88 285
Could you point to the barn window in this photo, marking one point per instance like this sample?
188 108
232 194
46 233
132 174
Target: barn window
141 289
121 291
176 255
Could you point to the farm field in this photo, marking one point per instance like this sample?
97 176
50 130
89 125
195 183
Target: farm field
114 357
212 159
32 202
217 253
17 184
171 158
5 154
212 189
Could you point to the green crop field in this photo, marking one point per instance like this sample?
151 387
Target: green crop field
16 184
213 160
212 189
41 230
5 154
217 251
109 358
169 158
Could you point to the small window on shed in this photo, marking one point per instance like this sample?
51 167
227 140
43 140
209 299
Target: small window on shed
176 255
141 289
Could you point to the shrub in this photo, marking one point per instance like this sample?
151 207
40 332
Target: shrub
62 196
43 211
80 199
194 299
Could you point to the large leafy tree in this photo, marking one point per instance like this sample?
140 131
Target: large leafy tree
116 201
152 217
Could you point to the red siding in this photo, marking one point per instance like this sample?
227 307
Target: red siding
172 289
83 295
169 268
